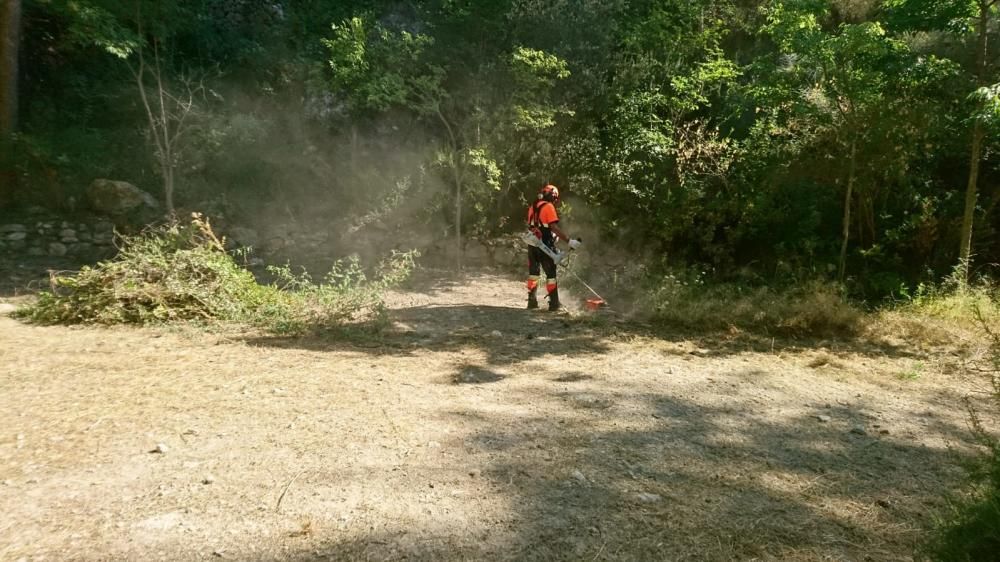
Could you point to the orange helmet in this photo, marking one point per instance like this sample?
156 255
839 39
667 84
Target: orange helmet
549 193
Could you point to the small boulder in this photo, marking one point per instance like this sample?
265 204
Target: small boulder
57 249
118 197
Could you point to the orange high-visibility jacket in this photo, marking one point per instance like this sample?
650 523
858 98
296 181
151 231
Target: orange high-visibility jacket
540 216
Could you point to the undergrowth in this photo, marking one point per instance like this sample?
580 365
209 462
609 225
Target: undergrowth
970 529
942 313
182 272
812 309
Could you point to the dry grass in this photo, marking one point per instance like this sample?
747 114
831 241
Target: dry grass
814 309
580 443
941 317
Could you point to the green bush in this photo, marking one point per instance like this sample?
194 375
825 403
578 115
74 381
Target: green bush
182 272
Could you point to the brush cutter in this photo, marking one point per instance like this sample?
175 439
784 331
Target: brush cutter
532 240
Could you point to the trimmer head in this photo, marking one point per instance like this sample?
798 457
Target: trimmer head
596 304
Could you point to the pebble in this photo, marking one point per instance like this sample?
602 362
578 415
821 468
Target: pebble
578 476
858 430
496 334
208 479
160 448
823 418
646 497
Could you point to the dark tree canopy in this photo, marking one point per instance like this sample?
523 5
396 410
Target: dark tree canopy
795 138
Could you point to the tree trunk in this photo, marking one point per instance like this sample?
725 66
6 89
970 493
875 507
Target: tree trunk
976 150
168 189
971 195
10 28
458 211
354 151
847 211
457 173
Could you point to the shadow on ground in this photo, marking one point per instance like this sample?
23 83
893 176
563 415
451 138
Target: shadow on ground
686 482
510 335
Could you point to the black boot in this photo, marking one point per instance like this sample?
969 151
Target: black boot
554 300
532 300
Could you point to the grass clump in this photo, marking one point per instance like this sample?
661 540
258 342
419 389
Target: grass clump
955 302
812 309
182 272
942 313
970 529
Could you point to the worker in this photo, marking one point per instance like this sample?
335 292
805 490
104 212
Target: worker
543 222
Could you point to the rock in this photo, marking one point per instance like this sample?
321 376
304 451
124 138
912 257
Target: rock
208 479
7 308
81 248
645 497
496 334
858 430
883 431
160 449
578 476
822 418
16 236
7 228
118 197
57 249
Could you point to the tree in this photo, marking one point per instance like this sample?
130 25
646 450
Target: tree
986 99
169 104
10 28
169 113
846 79
970 20
494 99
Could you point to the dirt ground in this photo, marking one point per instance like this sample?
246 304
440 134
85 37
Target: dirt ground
471 430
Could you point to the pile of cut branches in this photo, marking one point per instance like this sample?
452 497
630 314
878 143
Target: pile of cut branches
182 272
172 272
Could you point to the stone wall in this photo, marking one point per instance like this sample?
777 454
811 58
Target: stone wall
37 234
